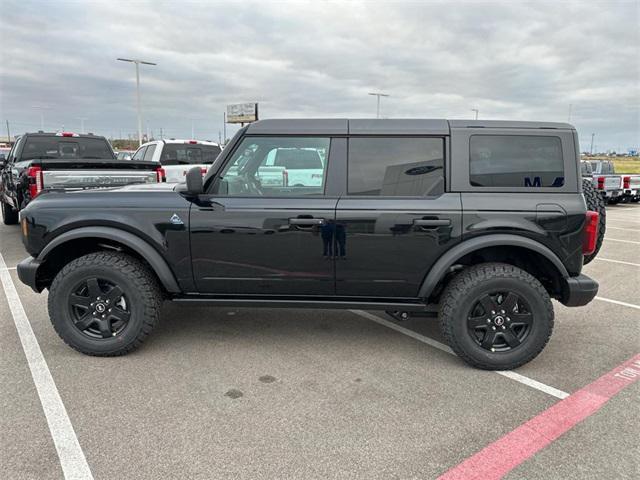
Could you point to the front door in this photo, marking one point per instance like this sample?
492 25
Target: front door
261 231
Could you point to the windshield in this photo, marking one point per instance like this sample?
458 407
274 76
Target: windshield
188 154
66 148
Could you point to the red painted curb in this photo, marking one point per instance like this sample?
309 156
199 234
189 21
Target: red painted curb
500 457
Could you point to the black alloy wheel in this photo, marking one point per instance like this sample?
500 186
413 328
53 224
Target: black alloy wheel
500 321
99 308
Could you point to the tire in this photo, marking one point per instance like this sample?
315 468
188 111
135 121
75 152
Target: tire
463 308
595 203
9 216
136 304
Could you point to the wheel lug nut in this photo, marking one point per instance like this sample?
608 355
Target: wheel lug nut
502 311
493 328
488 320
508 319
493 312
503 327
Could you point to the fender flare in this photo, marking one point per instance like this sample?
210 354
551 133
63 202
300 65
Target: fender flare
135 243
442 265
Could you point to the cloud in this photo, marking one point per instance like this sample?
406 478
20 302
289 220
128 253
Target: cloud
515 60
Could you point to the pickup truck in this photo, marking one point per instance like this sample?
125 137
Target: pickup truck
44 162
483 222
178 156
605 179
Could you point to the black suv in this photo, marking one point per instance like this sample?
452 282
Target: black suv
483 221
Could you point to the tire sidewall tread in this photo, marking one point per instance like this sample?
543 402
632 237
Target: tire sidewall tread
465 287
138 284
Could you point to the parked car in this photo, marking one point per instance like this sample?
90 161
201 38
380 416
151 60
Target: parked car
44 162
178 156
482 221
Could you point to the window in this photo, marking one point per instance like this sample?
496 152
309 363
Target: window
392 166
515 161
189 154
148 155
139 154
276 166
66 147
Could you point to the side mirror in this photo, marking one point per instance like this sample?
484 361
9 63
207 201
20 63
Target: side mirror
194 181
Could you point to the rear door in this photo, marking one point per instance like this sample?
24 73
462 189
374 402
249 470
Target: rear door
396 217
258 237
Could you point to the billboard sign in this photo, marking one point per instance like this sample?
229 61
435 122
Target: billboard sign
242 113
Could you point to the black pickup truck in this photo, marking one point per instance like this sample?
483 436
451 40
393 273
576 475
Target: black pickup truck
44 162
483 222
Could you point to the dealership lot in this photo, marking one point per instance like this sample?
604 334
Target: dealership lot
255 393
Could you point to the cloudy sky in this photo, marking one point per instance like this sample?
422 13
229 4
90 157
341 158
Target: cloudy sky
509 59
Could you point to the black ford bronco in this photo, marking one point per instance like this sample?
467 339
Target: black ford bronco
482 221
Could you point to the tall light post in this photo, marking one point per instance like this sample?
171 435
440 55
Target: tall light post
137 63
378 102
82 119
591 149
42 108
477 111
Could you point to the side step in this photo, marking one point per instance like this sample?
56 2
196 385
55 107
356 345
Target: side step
299 303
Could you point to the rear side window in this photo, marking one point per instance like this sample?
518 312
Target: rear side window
515 161
188 154
395 167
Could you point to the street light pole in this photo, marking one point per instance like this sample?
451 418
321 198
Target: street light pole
378 101
82 119
591 149
137 63
477 111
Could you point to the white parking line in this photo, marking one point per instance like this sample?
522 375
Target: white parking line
609 227
8 268
618 302
617 261
72 460
621 241
554 392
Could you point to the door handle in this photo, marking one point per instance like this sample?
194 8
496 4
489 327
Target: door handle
306 222
426 223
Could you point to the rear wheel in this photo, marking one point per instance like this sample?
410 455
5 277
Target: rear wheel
104 303
595 203
9 215
496 316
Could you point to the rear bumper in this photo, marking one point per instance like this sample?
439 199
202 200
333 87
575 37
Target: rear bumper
578 291
27 272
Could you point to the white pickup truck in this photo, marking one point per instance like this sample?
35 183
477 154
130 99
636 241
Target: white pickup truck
292 167
177 157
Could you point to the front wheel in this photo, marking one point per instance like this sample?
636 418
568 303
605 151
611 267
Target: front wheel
104 303
496 316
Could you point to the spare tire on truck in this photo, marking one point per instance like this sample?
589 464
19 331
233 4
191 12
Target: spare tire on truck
595 203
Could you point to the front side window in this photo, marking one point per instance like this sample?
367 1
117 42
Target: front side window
139 154
515 161
392 166
148 155
276 166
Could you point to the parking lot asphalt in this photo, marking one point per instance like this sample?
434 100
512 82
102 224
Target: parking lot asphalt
265 393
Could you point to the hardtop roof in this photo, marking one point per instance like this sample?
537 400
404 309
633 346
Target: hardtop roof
400 126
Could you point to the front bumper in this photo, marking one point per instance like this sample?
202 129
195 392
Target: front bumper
28 271
578 291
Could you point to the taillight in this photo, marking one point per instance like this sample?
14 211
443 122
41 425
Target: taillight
590 232
161 175
34 176
193 142
285 178
203 170
626 182
67 134
600 183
